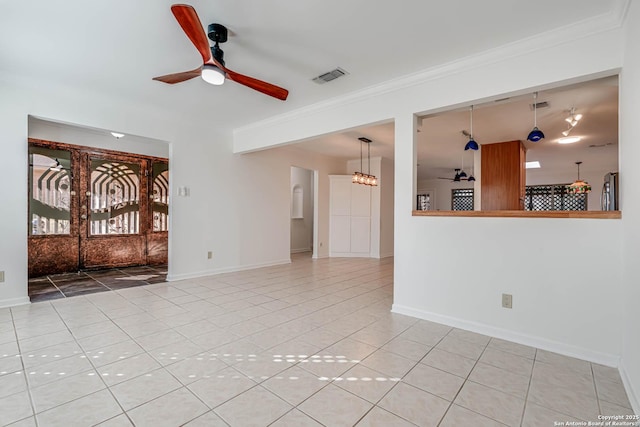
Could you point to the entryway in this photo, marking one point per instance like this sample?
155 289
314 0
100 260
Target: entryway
93 208
303 229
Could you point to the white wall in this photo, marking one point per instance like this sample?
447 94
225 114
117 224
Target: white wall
238 205
386 208
629 154
556 306
42 129
302 228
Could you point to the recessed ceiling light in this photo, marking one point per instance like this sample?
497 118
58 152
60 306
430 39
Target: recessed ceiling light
569 140
117 135
532 165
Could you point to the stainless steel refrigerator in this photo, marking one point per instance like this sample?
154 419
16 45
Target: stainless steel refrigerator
609 197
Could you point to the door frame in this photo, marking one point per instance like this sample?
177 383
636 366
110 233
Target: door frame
42 245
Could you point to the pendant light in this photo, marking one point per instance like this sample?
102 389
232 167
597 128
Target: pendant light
472 144
536 134
462 173
579 186
471 177
360 177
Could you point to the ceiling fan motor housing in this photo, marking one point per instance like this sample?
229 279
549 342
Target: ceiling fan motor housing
217 33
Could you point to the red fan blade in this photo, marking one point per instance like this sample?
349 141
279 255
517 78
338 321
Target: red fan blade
259 85
188 19
179 77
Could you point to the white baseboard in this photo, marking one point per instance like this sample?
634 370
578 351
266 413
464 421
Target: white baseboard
386 255
297 251
634 397
12 302
517 337
212 272
348 255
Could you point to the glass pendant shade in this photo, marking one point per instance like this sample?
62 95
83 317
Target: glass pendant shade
471 145
471 179
579 187
462 174
535 135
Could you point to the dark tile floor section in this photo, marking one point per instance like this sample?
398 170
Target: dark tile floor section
88 282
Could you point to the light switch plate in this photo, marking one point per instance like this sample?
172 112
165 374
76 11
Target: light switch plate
507 300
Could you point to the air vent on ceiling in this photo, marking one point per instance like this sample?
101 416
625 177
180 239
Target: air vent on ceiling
329 76
539 105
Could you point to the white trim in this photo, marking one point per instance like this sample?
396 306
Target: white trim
212 272
386 255
517 337
634 398
297 251
12 302
349 255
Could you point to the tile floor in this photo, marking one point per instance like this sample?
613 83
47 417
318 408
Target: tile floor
307 344
88 282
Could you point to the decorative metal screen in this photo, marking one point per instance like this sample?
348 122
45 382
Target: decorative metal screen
462 199
115 192
553 198
50 202
160 197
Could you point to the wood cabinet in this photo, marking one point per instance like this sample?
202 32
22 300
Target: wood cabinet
503 176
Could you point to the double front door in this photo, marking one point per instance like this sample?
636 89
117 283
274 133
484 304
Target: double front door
92 208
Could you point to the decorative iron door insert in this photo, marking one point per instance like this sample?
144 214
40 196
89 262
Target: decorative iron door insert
113 216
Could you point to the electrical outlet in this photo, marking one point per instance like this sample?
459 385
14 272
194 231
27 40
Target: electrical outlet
209 255
1 276
507 300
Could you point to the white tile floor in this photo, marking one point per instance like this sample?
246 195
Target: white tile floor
307 344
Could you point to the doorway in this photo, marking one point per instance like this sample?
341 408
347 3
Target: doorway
303 212
92 208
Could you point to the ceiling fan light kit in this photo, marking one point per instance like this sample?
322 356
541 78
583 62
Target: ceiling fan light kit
212 74
213 69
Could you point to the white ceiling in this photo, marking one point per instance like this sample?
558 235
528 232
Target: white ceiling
116 46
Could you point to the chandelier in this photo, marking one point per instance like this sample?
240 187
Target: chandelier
579 186
360 177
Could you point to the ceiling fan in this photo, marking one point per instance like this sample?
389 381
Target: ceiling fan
459 176
213 69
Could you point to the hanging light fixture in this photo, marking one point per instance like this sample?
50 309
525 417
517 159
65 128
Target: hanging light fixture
472 144
579 186
471 177
360 177
572 121
536 134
